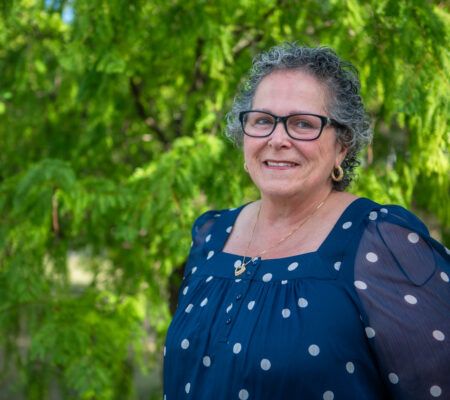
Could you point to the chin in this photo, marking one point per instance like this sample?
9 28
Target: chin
279 190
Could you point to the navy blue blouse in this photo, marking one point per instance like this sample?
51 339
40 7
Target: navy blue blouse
366 316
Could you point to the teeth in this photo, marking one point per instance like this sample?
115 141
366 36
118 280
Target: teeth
279 164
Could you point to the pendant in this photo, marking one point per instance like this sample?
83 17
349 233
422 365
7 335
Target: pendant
239 270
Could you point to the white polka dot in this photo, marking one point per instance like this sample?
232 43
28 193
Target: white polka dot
204 302
346 225
435 391
193 270
216 215
185 290
393 378
210 254
314 350
292 266
284 281
361 285
370 332
184 344
229 308
192 243
444 277
267 277
328 395
165 397
237 263
164 352
302 302
447 250
413 237
238 280
207 238
373 215
243 394
250 305
286 313
337 265
409 298
206 361
371 257
187 388
237 348
350 367
229 229
209 278
189 308
265 364
438 335
384 210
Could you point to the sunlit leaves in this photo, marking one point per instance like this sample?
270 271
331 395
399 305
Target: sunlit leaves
111 121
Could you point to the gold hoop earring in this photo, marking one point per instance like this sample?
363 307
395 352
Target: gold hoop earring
245 167
337 177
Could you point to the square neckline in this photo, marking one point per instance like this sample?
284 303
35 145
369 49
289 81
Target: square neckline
319 249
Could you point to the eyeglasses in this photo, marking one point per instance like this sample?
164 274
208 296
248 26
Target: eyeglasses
300 126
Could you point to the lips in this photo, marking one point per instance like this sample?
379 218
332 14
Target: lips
280 163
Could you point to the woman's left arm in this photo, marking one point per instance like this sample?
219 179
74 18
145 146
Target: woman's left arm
401 277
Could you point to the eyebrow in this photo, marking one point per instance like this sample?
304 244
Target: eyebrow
290 113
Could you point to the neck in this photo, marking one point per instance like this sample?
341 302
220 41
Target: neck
290 211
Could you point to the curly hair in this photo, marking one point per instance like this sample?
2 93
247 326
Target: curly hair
339 77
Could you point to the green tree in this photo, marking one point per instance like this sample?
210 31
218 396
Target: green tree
111 120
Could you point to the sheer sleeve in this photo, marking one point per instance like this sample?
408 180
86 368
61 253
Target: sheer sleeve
402 281
201 231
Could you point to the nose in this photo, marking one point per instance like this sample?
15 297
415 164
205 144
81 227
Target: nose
279 137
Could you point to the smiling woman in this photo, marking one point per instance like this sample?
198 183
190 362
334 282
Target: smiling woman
308 292
306 172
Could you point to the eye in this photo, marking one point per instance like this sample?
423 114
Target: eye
263 121
303 124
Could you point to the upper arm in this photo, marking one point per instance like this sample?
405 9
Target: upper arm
402 280
201 228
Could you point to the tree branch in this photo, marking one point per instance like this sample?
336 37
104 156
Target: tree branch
149 121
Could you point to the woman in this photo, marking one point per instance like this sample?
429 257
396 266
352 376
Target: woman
309 292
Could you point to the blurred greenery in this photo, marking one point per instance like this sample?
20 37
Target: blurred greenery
111 121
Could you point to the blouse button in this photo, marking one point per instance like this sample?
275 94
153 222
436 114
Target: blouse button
228 321
238 296
249 273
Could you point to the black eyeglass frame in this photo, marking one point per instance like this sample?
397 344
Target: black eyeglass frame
324 122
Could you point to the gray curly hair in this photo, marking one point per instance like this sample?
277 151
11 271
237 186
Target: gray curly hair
338 76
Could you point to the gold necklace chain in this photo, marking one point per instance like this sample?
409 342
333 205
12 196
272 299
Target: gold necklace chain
239 270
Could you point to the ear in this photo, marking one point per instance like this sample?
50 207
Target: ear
341 152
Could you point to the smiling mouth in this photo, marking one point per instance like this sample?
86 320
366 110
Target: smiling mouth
280 164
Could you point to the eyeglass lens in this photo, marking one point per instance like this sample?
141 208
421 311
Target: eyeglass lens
301 126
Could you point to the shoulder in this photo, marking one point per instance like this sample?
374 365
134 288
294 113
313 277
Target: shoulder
371 213
395 215
393 236
394 224
209 220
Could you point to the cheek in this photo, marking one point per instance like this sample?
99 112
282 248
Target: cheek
313 151
329 150
325 152
251 148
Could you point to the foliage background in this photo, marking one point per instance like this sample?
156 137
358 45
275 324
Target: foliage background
111 120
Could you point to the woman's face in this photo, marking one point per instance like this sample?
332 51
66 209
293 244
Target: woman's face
279 165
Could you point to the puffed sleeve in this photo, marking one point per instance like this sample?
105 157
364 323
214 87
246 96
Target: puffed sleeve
401 278
201 229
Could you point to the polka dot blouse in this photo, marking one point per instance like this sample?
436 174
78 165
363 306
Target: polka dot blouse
366 316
